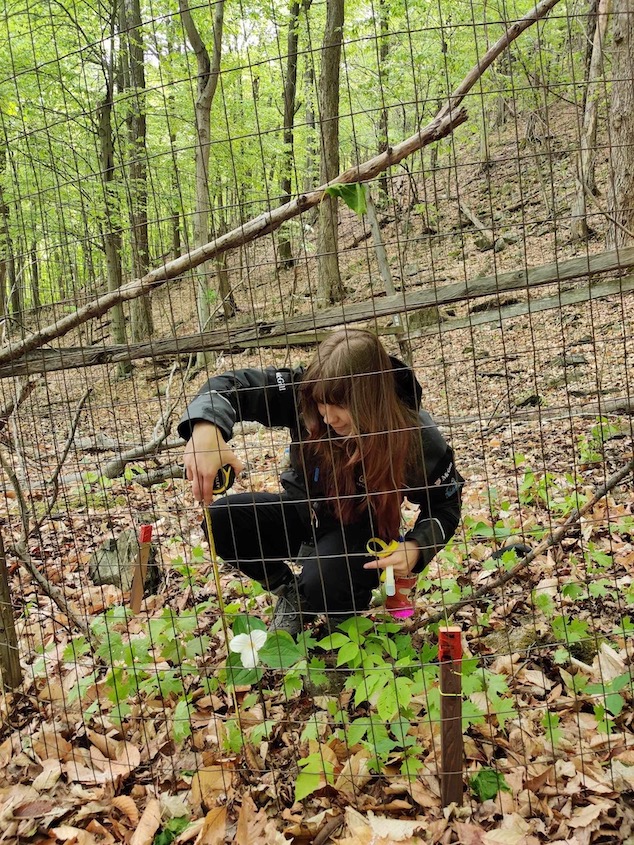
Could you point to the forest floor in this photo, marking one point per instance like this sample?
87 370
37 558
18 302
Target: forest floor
156 735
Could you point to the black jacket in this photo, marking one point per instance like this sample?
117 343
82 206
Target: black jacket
271 397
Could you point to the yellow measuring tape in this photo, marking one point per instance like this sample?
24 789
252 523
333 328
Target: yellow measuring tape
379 548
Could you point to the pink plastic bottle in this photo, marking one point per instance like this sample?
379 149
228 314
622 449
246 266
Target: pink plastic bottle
401 604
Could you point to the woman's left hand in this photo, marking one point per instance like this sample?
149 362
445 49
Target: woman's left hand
404 559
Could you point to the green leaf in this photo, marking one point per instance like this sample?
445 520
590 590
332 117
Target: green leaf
334 641
315 770
487 783
244 624
353 195
182 724
237 675
171 830
280 651
347 653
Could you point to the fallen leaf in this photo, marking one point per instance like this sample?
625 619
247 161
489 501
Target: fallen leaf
469 834
148 824
209 784
48 777
355 773
584 816
127 806
214 827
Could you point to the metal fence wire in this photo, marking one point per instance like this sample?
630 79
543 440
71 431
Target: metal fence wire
375 257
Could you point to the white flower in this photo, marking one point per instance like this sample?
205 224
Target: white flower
248 646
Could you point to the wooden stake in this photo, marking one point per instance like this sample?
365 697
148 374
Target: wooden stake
9 655
451 744
140 571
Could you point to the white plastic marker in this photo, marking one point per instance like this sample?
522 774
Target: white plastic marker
379 548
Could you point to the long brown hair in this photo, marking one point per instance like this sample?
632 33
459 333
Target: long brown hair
351 369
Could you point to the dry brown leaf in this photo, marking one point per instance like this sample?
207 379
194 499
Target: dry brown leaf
583 816
379 830
355 773
72 835
214 827
148 824
101 834
255 828
127 806
209 784
48 777
469 834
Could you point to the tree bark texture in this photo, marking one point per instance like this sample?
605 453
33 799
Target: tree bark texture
621 128
208 72
586 156
330 287
111 211
141 324
285 255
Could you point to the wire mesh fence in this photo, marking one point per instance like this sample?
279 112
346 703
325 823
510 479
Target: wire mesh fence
194 201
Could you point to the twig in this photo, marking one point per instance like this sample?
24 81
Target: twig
553 539
161 432
327 830
54 479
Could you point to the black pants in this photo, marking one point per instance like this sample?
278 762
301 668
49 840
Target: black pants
259 532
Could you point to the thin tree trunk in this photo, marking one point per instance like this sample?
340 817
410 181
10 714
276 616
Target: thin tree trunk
330 287
621 193
10 670
309 98
111 213
141 324
588 141
35 279
285 255
208 71
384 50
8 275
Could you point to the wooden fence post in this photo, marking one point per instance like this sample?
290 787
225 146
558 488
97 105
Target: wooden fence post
9 656
451 743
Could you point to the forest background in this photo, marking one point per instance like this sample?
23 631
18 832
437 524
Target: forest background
161 218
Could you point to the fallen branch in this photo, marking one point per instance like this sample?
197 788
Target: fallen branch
553 539
284 333
450 116
161 432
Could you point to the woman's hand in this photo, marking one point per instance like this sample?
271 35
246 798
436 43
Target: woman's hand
404 559
205 453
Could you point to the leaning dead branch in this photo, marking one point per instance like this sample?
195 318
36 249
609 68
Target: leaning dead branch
451 115
553 539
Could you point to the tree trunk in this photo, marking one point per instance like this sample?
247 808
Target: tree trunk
588 141
384 50
8 275
621 192
208 71
141 324
330 287
111 214
285 255
35 279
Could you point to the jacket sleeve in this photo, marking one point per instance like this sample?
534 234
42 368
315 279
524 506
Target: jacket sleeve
265 396
438 494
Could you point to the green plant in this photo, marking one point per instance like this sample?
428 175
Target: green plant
486 784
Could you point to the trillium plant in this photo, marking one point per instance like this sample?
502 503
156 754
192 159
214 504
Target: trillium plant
248 647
